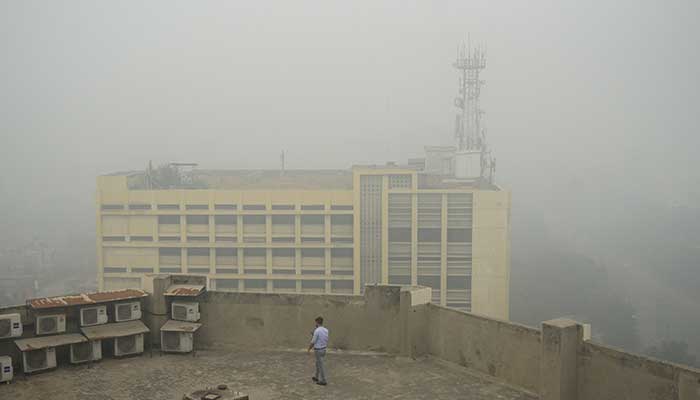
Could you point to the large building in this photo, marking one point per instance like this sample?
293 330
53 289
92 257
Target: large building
323 231
438 221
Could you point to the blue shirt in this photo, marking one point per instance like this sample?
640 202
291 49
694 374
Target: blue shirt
320 339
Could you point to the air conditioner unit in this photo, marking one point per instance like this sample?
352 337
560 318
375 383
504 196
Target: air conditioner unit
127 311
10 326
182 311
39 360
176 342
86 351
126 345
6 371
50 324
90 316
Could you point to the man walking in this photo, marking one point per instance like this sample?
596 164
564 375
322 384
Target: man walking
319 342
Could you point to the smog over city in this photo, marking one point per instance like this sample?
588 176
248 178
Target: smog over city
364 142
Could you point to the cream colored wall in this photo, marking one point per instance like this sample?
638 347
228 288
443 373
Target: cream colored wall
491 254
114 190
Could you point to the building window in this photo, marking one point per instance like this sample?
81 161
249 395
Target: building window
399 280
171 270
400 235
139 206
197 219
225 206
168 238
227 284
114 270
339 207
112 207
429 235
341 219
313 284
225 219
142 270
254 207
169 219
168 206
196 206
113 238
459 235
283 207
197 238
255 284
254 219
284 284
312 219
313 207
141 238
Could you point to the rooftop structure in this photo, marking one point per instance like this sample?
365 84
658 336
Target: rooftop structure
389 343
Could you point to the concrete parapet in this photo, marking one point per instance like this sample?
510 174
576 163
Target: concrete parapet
561 340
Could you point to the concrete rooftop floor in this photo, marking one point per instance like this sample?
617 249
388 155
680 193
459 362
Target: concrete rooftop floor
264 375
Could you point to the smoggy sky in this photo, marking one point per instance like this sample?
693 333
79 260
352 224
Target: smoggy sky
582 98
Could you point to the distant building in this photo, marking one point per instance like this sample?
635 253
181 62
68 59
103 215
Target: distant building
310 231
438 221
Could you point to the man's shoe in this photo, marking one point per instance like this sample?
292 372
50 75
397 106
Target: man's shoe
313 378
321 383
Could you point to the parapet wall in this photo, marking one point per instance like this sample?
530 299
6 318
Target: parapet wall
287 320
501 349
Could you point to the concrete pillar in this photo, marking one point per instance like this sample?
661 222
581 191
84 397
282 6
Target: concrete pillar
561 340
688 386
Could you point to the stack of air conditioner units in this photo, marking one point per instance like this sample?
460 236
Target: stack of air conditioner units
173 337
10 327
91 350
6 372
128 345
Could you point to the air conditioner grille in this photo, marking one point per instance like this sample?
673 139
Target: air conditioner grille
179 312
82 351
37 359
5 327
48 324
124 312
90 316
172 340
127 344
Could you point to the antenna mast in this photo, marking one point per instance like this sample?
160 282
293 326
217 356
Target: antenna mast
469 131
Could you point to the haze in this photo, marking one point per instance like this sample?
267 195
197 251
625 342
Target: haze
591 108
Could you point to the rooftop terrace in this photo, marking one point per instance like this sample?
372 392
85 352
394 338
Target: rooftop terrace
390 343
264 375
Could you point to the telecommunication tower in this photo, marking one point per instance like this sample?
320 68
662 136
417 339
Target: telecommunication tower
473 159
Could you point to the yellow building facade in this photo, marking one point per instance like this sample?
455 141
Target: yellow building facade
311 232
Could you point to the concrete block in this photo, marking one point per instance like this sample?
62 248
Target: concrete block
688 386
561 340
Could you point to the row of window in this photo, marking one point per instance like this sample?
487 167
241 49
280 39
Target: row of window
453 282
255 219
246 239
246 207
223 270
254 252
430 235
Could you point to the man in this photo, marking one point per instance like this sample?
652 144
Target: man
319 342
